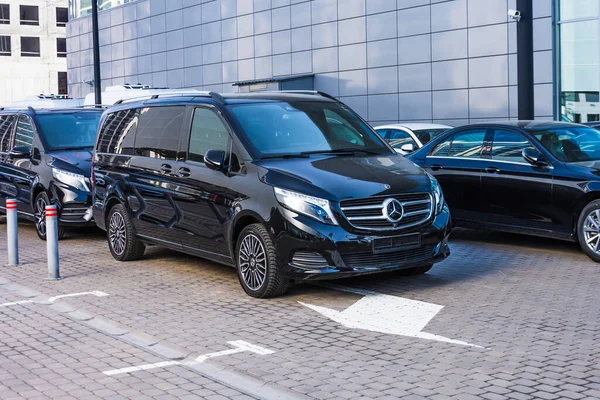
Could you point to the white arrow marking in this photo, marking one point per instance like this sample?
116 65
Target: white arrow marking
51 300
383 313
239 347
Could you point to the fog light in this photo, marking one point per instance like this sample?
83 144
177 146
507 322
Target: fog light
309 260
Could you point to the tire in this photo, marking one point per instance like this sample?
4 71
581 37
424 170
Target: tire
122 240
39 214
588 230
256 263
415 270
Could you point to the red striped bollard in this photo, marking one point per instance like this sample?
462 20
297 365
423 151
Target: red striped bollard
52 242
12 232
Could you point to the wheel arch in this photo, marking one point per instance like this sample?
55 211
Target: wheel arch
241 221
580 205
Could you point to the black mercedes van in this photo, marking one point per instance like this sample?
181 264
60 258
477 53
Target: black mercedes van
284 186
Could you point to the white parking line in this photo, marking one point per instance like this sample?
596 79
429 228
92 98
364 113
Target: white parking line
239 347
51 300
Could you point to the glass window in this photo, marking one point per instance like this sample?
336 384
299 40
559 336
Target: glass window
30 15
425 135
399 138
208 133
304 126
62 83
30 46
61 47
159 131
79 8
73 130
509 146
580 69
572 9
24 132
4 14
442 149
62 16
5 47
462 144
118 133
7 123
572 144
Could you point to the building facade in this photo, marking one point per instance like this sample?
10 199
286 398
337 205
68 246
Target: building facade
447 61
33 48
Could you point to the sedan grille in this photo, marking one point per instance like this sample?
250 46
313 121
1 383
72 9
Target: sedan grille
388 212
393 259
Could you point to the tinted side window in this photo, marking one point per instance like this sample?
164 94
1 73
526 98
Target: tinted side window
7 123
399 138
118 133
467 144
24 132
158 133
443 148
208 133
508 146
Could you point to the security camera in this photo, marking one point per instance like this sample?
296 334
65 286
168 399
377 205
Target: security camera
515 14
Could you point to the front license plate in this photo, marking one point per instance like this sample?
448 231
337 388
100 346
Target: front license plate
395 243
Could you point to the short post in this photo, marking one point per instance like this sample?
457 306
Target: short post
52 242
12 232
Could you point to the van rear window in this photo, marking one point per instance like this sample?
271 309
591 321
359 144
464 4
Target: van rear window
118 132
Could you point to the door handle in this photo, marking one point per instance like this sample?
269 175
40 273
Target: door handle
166 169
492 170
184 172
436 167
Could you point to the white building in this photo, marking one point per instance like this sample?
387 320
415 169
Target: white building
32 48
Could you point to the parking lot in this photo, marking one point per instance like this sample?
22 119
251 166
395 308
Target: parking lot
505 316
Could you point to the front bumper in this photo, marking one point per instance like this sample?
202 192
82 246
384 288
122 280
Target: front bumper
74 206
333 252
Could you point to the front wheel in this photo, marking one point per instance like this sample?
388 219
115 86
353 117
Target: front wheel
256 263
122 241
588 230
415 270
39 213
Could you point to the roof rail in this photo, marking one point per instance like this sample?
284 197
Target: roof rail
164 94
218 97
313 92
90 106
31 109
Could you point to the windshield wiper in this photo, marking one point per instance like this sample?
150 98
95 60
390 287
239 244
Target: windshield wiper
348 150
284 156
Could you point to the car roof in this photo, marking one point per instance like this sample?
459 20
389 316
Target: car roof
43 111
414 126
527 125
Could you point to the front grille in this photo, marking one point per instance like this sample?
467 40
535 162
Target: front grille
309 260
69 213
396 258
368 213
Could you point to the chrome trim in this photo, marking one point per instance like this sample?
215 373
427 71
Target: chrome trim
372 207
183 246
411 213
549 166
367 218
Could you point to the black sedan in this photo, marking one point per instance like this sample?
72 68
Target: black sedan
538 178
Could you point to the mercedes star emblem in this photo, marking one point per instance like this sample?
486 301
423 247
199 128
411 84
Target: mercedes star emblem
393 210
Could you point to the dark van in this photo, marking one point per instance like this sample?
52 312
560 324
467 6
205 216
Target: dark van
46 158
282 186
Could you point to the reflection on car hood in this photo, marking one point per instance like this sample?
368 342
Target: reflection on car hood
76 161
337 178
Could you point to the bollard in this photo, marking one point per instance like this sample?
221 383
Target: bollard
12 232
52 242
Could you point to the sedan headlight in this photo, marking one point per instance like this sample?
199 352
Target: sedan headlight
312 207
438 195
76 181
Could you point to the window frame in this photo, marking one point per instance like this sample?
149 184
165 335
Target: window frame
31 53
28 22
7 53
505 129
6 19
484 154
61 24
188 137
59 53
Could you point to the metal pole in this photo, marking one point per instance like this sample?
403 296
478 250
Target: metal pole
96 49
525 60
52 242
12 232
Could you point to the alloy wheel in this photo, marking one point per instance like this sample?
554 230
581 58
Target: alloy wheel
40 215
116 233
252 260
591 231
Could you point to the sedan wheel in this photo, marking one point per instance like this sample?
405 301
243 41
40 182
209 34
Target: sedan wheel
116 233
122 240
588 230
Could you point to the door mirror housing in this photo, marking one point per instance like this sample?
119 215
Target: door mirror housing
408 148
20 152
534 157
215 159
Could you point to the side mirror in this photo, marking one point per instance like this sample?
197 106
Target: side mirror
20 152
408 148
215 159
533 157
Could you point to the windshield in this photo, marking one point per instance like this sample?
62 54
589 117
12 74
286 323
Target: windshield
425 135
71 130
571 144
296 127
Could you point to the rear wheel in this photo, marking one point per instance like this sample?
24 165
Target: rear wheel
122 241
256 263
39 213
588 230
415 270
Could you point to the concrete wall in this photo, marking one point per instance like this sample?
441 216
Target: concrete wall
391 60
21 77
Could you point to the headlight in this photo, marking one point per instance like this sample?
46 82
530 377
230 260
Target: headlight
313 207
68 178
438 195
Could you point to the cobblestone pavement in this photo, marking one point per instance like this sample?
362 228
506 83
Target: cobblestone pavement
531 304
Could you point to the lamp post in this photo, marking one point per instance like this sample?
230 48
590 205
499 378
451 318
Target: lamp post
525 60
96 49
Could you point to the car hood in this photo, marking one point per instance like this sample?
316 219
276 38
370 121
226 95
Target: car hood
589 168
76 161
344 177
